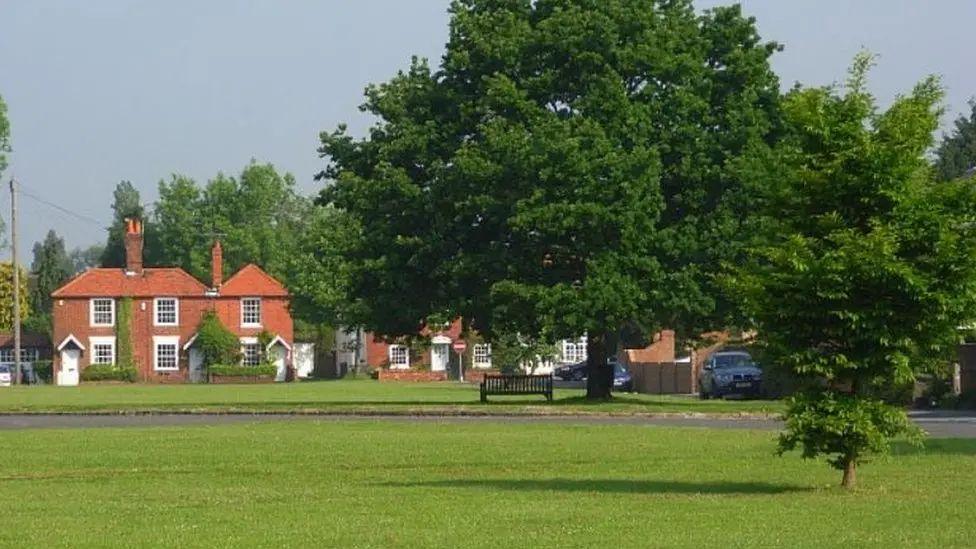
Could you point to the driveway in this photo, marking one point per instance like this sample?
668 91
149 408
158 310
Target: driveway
938 424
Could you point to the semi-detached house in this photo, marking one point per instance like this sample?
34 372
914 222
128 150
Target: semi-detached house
166 306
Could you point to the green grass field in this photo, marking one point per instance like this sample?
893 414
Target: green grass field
372 483
351 396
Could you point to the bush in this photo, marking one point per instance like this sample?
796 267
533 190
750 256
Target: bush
217 344
243 371
44 370
108 372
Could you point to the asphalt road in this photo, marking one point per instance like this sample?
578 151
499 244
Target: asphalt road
937 424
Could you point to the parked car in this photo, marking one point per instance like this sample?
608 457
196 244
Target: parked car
728 373
571 372
6 376
622 380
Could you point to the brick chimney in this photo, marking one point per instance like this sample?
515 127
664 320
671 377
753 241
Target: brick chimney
133 246
217 265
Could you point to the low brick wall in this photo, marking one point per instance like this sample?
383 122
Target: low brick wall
476 375
410 375
232 380
662 378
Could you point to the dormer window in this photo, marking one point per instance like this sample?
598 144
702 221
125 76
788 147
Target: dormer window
102 311
251 312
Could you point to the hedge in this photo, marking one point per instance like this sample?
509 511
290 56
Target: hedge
108 372
243 371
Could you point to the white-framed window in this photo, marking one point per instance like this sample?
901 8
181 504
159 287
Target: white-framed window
166 353
251 354
28 354
481 355
102 350
251 311
399 357
167 311
102 311
574 350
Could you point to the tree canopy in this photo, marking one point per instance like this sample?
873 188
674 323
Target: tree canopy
4 135
956 155
562 172
258 218
50 268
126 204
868 267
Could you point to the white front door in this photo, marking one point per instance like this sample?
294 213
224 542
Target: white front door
68 375
440 355
278 354
196 366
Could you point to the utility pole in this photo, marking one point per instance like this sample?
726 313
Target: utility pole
16 274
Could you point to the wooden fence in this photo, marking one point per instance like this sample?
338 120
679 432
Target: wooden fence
662 378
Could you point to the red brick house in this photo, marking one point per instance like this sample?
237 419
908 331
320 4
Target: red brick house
167 305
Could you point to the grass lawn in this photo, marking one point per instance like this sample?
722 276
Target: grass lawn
370 483
353 396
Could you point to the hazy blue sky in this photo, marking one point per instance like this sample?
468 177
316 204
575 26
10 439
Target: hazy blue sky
106 90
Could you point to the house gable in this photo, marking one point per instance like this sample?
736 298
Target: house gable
252 281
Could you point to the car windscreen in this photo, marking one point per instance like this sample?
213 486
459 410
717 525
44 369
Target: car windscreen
4 369
733 361
619 370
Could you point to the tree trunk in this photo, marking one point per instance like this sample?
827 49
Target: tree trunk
850 474
599 380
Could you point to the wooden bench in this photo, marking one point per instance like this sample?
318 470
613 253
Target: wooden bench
516 385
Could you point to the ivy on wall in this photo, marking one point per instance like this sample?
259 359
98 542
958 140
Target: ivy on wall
123 334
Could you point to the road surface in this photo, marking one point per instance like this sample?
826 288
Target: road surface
938 424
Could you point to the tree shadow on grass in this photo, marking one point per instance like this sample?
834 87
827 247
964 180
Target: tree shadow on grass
936 446
610 486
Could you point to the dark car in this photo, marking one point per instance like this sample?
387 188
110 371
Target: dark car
728 373
622 380
571 372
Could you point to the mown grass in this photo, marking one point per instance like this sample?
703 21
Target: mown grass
347 396
314 483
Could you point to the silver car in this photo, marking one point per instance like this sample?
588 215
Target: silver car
730 373
6 377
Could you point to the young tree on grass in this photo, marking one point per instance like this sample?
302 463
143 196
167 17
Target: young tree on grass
869 267
563 172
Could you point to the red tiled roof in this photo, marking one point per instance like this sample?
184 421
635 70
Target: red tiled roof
252 281
173 282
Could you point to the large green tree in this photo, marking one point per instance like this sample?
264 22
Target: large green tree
86 258
868 267
956 155
562 172
50 268
258 217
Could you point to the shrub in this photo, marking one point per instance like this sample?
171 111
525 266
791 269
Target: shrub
44 370
108 372
217 344
233 370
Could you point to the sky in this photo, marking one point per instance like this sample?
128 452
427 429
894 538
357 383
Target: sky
107 90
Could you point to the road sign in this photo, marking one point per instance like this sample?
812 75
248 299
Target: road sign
459 346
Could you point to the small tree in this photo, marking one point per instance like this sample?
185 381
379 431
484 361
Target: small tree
867 270
217 344
7 296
